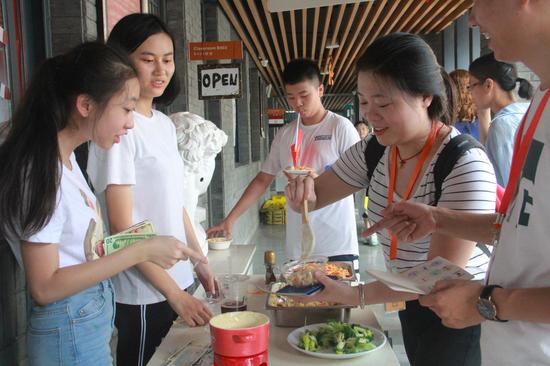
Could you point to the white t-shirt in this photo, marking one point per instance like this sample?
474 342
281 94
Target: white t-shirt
522 256
470 187
322 144
148 159
76 206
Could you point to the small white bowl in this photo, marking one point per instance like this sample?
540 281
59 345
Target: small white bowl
220 243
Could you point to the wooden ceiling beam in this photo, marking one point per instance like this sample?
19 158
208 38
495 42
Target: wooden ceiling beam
428 6
268 76
343 44
271 27
350 76
362 19
342 10
395 26
293 30
259 23
314 34
435 14
325 32
343 72
454 15
304 33
283 35
406 4
436 21
414 11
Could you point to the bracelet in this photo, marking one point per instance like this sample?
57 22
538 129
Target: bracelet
361 296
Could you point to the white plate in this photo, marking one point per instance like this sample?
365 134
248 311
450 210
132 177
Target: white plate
297 171
293 339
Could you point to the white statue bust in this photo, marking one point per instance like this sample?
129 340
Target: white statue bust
199 141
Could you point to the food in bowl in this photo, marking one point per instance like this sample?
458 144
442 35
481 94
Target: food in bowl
219 243
301 273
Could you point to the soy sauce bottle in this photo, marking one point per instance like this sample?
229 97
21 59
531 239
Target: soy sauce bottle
269 261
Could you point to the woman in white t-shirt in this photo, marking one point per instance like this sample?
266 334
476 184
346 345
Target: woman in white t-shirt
87 94
402 94
142 178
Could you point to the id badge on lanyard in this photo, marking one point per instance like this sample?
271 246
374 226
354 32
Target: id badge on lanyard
400 305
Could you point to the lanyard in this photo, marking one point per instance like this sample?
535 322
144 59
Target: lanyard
412 180
521 148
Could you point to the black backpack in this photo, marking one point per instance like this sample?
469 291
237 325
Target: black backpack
446 160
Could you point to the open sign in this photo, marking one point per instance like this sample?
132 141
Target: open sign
219 81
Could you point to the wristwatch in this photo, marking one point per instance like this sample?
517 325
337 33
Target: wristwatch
485 305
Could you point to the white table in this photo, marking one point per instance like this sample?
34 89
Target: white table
236 259
280 352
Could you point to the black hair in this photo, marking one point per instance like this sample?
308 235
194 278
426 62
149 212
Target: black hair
409 62
361 122
503 73
301 69
134 29
30 171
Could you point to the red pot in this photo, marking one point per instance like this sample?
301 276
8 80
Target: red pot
239 334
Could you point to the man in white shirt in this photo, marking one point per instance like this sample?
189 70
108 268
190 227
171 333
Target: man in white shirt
326 136
513 307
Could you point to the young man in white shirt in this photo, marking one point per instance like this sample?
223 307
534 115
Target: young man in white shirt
512 306
326 136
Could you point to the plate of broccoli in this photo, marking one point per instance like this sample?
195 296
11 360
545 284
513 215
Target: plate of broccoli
336 340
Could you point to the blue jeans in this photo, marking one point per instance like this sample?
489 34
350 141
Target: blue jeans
73 331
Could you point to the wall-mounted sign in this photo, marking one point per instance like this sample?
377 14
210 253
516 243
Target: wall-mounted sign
219 81
276 116
226 50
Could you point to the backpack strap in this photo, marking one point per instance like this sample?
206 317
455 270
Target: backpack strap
373 153
448 157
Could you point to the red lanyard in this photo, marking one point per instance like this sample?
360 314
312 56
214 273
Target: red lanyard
521 148
412 180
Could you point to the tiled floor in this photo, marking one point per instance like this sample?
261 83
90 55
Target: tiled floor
272 237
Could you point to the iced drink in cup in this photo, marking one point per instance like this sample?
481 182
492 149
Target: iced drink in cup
234 289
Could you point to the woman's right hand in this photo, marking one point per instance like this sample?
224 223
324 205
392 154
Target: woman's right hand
299 189
166 251
192 311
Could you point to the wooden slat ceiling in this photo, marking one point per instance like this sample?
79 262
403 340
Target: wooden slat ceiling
282 36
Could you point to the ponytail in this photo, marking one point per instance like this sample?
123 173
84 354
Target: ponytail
30 165
29 172
525 90
503 73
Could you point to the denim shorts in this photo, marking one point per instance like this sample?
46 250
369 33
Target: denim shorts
73 331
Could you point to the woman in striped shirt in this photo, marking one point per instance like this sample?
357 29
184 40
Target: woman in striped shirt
402 94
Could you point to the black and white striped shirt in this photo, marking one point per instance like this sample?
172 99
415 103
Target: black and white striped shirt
471 187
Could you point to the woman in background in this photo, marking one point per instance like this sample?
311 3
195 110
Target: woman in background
467 121
492 85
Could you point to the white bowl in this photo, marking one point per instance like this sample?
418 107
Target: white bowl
218 243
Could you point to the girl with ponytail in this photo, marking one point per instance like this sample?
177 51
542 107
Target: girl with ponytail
492 85
402 93
85 94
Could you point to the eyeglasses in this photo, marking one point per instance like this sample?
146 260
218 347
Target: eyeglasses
473 85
